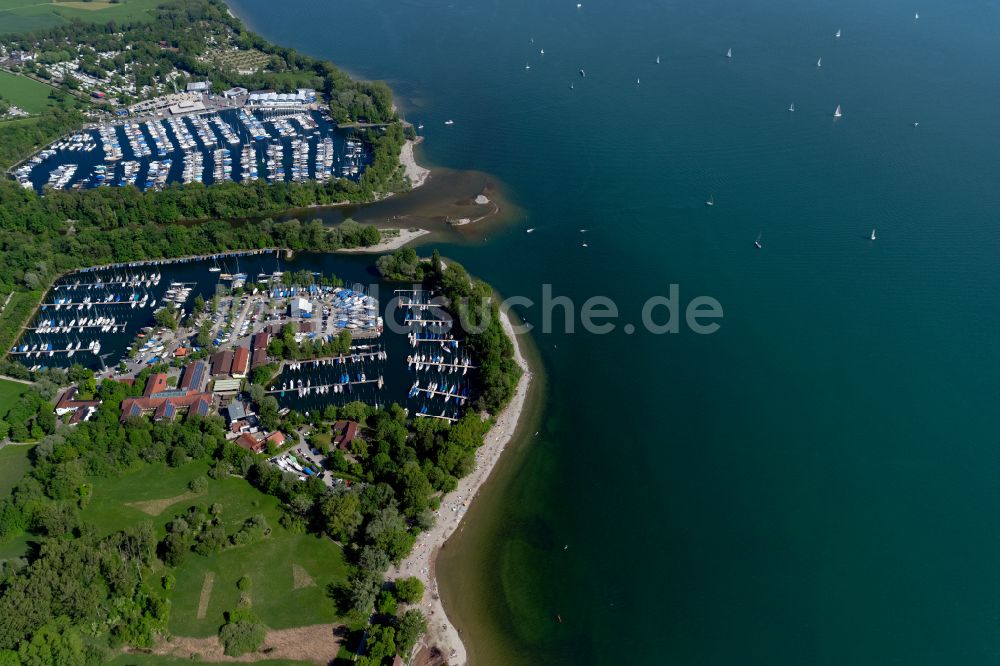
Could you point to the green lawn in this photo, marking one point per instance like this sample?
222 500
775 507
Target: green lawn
13 464
273 564
26 93
23 15
9 392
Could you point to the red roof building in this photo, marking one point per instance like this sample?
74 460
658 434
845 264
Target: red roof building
277 438
251 443
160 402
241 362
260 340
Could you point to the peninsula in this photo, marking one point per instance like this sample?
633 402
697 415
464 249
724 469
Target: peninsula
224 455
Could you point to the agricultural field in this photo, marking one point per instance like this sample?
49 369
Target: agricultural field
26 93
290 571
18 16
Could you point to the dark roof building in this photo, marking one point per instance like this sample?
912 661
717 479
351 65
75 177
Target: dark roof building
222 363
259 358
344 433
193 376
68 402
260 340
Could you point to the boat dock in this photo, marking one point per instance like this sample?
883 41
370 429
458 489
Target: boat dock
37 351
320 389
410 361
435 416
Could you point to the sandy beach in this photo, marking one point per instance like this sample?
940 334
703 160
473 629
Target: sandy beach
416 173
441 633
389 244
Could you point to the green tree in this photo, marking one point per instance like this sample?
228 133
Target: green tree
409 590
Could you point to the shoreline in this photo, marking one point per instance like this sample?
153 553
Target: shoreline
417 174
421 563
404 237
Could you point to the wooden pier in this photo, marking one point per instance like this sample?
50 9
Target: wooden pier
311 390
436 416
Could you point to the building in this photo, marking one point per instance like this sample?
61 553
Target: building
223 386
260 340
277 438
222 363
193 376
301 308
161 402
251 443
241 363
199 86
344 432
258 359
235 92
235 411
275 100
68 404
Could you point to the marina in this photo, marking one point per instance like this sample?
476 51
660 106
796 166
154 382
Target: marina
210 147
105 318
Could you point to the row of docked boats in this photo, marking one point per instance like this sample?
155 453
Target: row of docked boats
61 176
49 349
447 391
439 362
105 324
123 280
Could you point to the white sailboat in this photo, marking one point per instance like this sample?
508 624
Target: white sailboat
873 234
819 63
527 66
711 201
837 112
657 60
757 243
837 35
729 53
215 268
916 16
791 108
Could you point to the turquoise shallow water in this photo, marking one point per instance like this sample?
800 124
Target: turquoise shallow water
818 481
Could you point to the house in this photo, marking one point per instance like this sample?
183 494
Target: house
68 403
241 362
251 443
344 433
277 438
259 358
199 86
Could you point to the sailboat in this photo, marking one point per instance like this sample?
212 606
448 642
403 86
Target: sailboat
711 201
583 73
657 60
873 234
819 63
729 53
837 113
837 35
791 107
757 243
916 16
215 268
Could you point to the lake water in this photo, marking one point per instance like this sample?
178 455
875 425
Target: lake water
817 482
